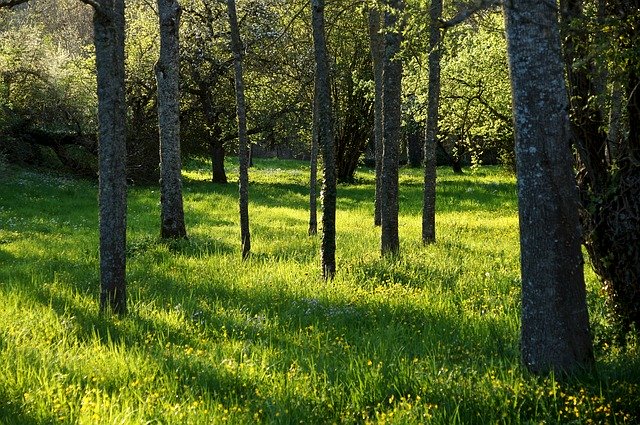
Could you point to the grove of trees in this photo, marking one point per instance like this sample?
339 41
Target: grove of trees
345 83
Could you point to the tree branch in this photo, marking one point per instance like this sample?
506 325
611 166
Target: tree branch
11 3
467 10
93 3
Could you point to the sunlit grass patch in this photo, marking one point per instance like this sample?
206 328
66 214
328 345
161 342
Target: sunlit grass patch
428 337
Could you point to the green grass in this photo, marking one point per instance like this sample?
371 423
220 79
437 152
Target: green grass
430 337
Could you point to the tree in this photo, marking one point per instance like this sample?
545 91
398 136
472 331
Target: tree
376 41
429 202
391 118
313 164
168 78
555 324
324 123
601 52
243 151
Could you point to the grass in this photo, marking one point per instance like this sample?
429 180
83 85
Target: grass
430 337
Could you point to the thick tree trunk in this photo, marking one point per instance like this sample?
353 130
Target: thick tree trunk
555 323
218 174
109 30
430 142
391 113
325 140
313 178
168 78
243 151
376 41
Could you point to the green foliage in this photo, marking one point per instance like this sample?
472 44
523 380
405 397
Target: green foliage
47 94
475 105
431 337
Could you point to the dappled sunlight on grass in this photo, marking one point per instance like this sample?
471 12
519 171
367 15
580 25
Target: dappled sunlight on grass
428 337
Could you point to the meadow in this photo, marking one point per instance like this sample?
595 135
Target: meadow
428 337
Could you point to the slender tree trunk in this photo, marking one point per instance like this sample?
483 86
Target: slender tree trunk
391 113
615 121
243 151
376 41
415 149
430 142
555 323
633 113
109 30
313 180
168 78
324 130
587 120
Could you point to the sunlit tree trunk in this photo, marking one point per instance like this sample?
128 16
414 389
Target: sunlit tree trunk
555 324
430 142
324 130
168 78
391 117
109 30
243 150
313 179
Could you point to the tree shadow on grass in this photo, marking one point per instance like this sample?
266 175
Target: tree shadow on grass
322 336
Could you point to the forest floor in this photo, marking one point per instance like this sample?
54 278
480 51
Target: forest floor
428 337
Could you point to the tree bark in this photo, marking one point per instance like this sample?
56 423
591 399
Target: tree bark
391 113
415 149
555 324
324 130
109 31
218 174
168 78
376 41
243 150
430 142
313 178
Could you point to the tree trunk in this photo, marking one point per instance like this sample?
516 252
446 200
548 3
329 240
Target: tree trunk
109 30
168 78
243 151
313 179
218 175
391 113
325 140
376 40
555 323
430 142
615 121
414 149
587 120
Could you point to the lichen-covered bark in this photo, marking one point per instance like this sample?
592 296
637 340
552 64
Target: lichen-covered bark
391 113
376 42
109 30
555 324
324 130
313 177
243 145
167 75
430 143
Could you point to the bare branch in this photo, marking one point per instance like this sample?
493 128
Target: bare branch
466 10
11 3
93 3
